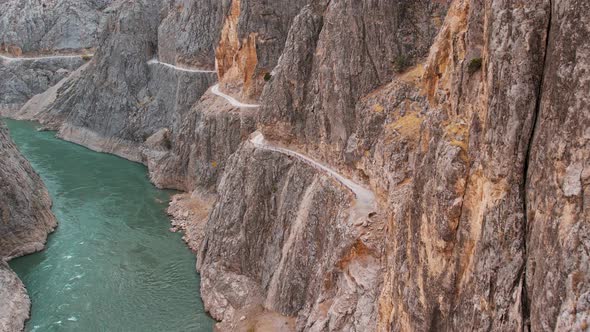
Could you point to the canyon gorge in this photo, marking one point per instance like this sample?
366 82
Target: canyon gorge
337 165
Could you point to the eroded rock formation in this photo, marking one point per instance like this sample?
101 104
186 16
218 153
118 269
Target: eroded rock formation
21 80
37 41
49 26
25 221
466 121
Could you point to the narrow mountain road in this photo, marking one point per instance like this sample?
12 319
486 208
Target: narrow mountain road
365 198
230 99
215 89
51 57
185 69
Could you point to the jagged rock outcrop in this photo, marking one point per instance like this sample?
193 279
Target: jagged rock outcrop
251 41
25 221
467 119
24 203
21 80
49 26
336 52
282 234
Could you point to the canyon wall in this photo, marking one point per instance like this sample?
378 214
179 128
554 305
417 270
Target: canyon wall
49 26
473 176
22 80
413 165
25 221
37 39
557 188
127 94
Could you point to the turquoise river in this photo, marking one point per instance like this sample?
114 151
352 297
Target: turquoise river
112 264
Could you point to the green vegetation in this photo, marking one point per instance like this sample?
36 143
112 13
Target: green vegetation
86 57
474 65
267 77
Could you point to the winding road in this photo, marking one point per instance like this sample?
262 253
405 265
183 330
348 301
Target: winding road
185 69
365 198
50 57
215 90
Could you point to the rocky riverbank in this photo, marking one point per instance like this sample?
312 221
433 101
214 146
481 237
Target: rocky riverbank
26 220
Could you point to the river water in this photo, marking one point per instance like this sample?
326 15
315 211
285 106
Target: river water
112 264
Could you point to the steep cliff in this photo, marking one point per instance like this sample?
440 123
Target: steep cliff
23 79
377 165
140 95
127 93
447 145
39 42
557 188
337 52
49 26
26 219
14 309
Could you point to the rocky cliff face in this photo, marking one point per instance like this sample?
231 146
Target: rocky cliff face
14 309
49 26
127 94
21 80
448 147
337 52
557 187
37 39
284 235
252 39
140 96
418 165
26 219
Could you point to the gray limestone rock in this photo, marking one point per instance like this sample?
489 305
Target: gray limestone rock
471 130
25 221
49 26
281 235
557 197
23 79
14 309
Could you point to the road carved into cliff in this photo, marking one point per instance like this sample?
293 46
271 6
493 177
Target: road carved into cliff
49 57
215 90
365 198
185 69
